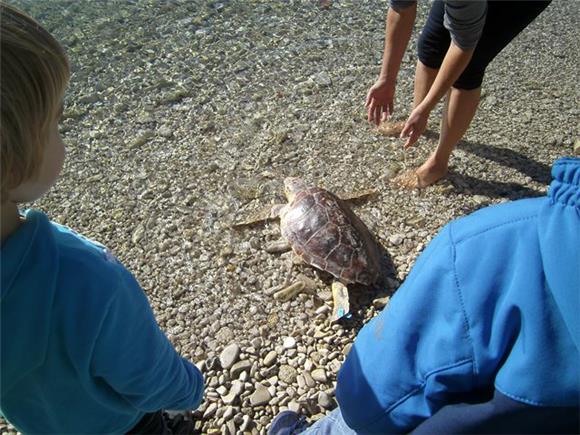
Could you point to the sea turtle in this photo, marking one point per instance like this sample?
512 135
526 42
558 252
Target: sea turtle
323 232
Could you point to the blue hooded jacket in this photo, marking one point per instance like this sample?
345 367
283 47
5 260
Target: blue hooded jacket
484 329
81 351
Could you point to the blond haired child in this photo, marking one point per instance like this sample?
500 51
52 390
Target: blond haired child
81 351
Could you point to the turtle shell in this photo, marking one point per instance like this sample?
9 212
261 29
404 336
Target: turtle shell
325 233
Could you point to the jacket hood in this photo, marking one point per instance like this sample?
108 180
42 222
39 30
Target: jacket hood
25 256
561 215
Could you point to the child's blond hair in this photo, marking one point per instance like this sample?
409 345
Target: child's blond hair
34 74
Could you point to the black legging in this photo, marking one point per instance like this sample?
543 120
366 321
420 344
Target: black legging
153 423
504 20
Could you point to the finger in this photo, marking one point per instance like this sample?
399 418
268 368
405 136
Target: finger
408 142
378 115
369 98
412 140
391 108
406 130
386 113
370 111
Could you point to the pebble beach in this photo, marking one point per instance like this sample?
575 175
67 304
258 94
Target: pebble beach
182 118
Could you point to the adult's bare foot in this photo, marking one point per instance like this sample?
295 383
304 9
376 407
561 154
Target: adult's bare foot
425 175
430 173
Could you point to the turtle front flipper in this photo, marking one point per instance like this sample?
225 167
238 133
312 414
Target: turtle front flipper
264 215
276 210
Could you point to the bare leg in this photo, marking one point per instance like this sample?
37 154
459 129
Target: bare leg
459 110
424 78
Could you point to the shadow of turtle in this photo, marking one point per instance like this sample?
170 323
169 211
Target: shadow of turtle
362 297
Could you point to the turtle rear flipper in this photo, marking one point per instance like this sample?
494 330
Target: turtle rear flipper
278 246
340 299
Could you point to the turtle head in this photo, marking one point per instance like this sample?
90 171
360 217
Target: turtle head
292 186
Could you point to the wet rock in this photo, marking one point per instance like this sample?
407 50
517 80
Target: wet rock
380 303
233 396
224 335
210 410
322 79
396 239
246 423
230 427
165 132
289 343
294 406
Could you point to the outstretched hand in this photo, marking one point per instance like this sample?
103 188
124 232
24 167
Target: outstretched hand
379 102
415 126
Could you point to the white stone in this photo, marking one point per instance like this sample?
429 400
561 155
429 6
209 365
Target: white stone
289 343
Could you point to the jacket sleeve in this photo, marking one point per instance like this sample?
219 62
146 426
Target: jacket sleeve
414 356
465 21
135 358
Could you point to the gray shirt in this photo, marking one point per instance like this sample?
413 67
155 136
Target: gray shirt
463 18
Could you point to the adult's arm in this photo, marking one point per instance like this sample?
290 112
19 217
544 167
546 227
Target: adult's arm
465 21
453 65
398 29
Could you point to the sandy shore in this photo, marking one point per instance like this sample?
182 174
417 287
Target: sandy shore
184 116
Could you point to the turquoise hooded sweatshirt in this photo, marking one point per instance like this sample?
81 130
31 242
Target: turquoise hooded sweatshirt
81 351
491 308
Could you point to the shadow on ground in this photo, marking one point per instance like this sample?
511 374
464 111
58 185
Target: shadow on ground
362 297
493 189
537 171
